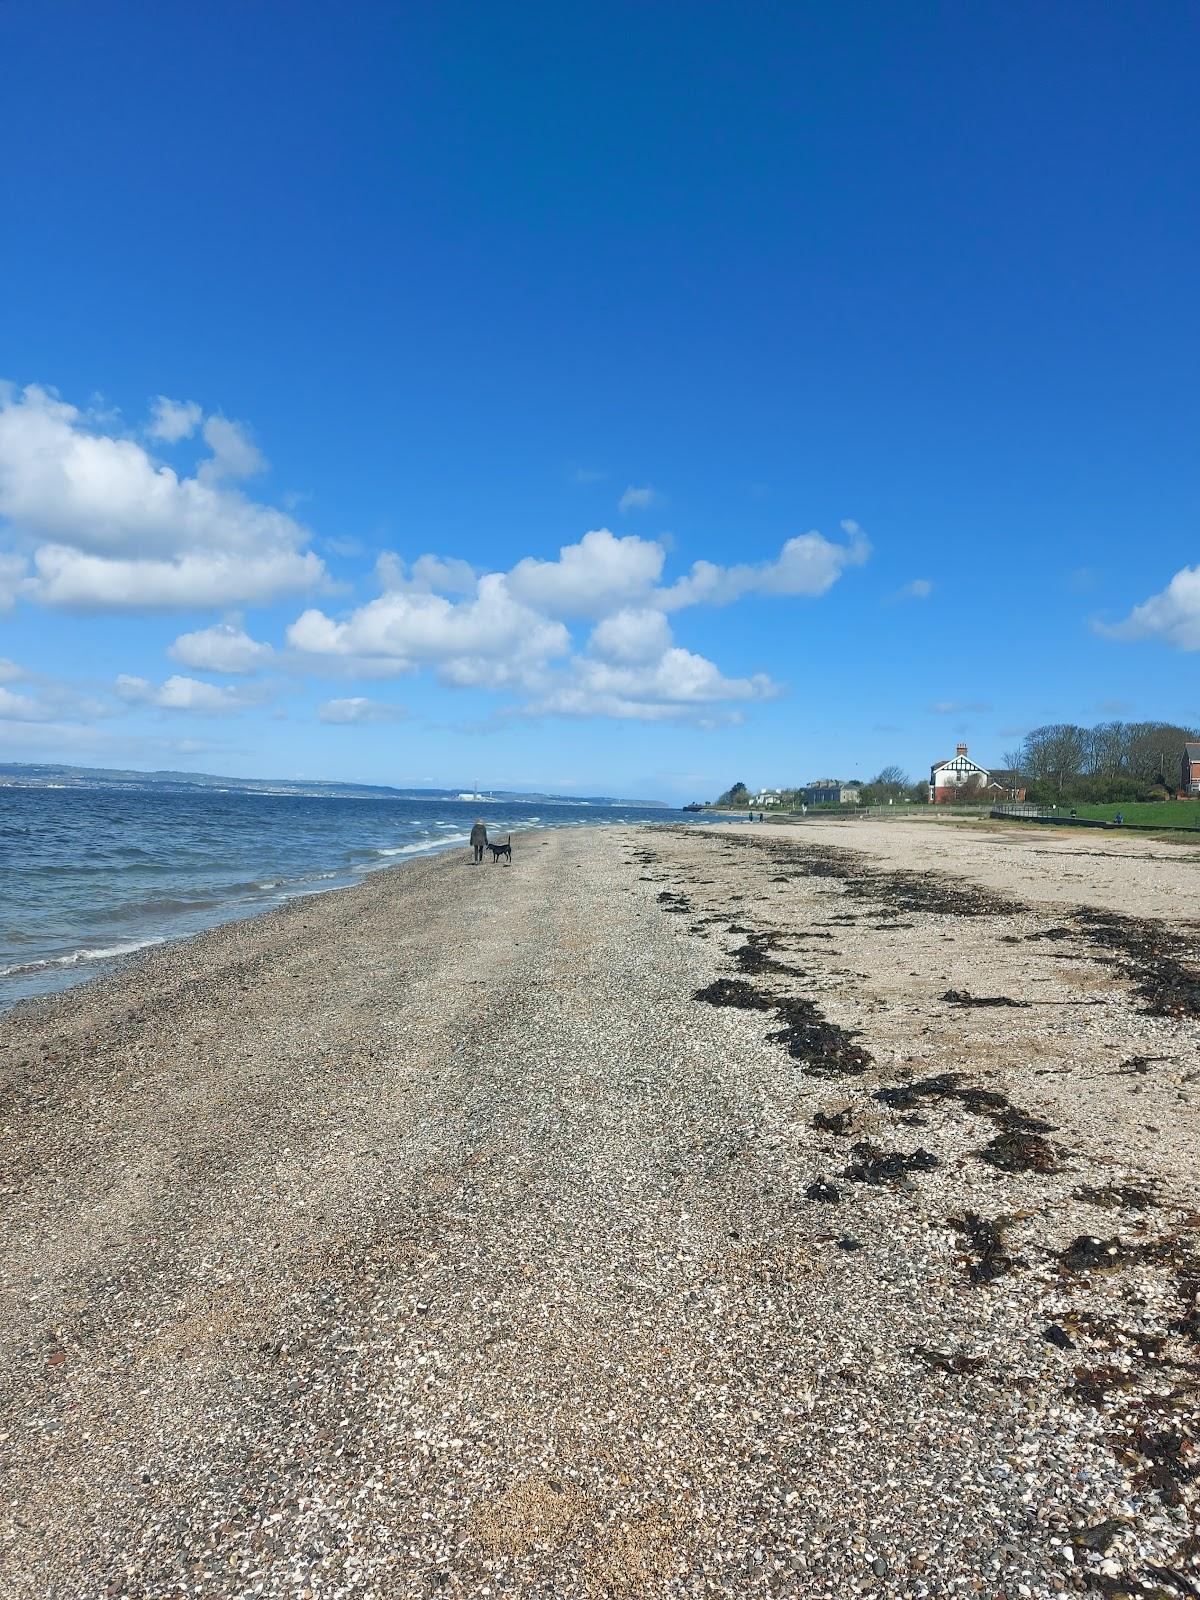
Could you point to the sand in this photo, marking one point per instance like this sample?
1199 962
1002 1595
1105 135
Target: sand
432 1237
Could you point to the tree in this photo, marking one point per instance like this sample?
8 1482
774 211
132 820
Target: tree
737 795
1057 752
892 778
1110 762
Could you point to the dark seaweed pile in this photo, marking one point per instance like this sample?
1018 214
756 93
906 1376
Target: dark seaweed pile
839 1122
1160 962
824 1048
960 997
985 1239
875 1166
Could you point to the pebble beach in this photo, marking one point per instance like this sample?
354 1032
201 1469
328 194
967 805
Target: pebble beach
778 1210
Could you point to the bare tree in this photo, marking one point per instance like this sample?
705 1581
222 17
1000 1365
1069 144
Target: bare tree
1061 753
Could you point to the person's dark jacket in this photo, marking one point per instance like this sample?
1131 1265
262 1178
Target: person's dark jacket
478 834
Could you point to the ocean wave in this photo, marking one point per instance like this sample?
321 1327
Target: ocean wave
423 847
105 953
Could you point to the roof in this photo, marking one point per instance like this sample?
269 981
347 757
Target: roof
950 760
1192 751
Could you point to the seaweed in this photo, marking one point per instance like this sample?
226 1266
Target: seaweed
960 997
825 1192
1099 1536
1090 1254
753 957
1055 1335
986 1238
1092 1384
1164 1461
1019 1151
1152 955
1115 1197
734 992
896 893
989 1103
1136 1066
876 1167
839 1122
947 1361
826 1050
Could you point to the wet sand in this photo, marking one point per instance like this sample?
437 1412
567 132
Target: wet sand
660 1216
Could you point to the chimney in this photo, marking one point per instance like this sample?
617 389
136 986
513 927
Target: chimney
962 750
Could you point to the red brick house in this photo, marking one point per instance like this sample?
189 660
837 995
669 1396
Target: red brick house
1189 775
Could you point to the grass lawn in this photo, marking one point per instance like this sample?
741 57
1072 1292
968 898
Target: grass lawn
1158 813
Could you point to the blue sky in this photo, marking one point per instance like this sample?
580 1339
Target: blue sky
884 316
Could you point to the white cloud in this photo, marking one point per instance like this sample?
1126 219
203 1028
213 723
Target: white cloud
357 709
234 453
188 694
490 638
1172 616
12 574
339 544
172 420
631 636
809 564
43 699
221 648
679 686
598 575
918 589
639 499
428 572
21 708
114 530
75 581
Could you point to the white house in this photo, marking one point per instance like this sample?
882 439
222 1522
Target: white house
768 797
948 778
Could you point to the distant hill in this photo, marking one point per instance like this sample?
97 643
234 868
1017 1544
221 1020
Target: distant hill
34 774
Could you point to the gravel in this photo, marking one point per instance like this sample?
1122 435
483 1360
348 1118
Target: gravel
433 1238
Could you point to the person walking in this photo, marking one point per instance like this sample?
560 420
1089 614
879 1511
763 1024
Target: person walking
479 839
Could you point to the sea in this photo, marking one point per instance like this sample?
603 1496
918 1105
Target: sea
89 876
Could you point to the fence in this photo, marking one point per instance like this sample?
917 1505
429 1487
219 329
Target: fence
1031 813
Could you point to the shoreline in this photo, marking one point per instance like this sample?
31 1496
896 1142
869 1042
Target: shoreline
682 1210
120 964
68 972
117 961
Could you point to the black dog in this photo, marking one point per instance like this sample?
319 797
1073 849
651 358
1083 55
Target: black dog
499 850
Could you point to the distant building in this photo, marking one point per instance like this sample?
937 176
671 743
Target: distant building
1189 776
958 776
1005 784
768 797
829 792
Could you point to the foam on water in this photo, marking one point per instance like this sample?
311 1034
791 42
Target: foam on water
104 953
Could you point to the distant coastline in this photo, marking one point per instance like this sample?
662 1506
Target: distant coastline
43 775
